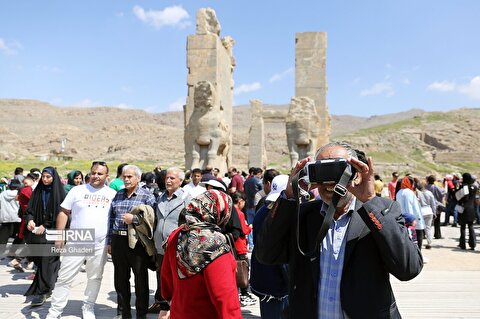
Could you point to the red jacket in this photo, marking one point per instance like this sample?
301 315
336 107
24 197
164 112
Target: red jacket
210 294
241 244
23 197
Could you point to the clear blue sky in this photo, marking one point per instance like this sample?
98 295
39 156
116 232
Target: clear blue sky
383 56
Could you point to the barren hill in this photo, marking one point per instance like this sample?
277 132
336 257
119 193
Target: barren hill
408 141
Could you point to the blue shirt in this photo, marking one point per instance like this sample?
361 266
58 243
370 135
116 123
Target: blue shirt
122 204
331 266
410 207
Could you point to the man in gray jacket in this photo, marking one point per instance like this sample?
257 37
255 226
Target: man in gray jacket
169 206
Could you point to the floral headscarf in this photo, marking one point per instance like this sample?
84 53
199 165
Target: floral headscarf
201 241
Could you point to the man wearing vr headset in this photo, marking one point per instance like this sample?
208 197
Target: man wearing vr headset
343 273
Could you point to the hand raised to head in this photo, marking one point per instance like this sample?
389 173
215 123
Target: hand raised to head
363 185
298 167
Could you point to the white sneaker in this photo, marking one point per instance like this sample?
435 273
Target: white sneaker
87 311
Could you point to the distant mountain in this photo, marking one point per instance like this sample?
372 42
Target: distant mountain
414 141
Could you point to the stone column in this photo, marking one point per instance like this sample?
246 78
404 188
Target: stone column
209 60
302 129
310 77
257 155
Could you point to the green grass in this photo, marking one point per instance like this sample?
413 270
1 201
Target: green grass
380 129
387 157
7 168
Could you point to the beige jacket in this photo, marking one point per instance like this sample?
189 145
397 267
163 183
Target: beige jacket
144 230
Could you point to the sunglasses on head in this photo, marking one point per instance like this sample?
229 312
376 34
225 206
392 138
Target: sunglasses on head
101 163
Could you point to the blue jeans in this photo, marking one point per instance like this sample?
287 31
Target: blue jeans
451 211
250 218
273 308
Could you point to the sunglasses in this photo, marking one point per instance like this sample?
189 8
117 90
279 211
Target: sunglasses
101 163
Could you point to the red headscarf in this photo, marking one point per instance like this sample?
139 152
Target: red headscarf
407 182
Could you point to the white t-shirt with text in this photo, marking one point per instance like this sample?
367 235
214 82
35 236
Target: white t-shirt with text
89 208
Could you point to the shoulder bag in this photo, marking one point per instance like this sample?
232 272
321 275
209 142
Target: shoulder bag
241 274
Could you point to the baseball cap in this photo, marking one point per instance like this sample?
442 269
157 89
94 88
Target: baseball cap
214 183
279 183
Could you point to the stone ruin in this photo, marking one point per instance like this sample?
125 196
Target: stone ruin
310 77
257 154
302 128
211 134
208 111
308 120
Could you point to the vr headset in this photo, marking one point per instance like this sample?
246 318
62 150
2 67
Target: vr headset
327 171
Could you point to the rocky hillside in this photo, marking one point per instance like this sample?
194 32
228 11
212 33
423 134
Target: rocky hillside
413 141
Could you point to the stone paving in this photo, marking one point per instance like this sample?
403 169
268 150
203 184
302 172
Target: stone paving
448 287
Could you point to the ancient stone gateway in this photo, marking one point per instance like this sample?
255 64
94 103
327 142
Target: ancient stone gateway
208 112
207 126
302 128
257 155
310 77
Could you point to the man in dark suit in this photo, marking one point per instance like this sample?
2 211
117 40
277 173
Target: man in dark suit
366 242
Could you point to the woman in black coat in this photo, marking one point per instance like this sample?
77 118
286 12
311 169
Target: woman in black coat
41 214
468 215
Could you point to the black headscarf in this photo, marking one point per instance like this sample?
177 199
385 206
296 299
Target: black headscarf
44 204
467 179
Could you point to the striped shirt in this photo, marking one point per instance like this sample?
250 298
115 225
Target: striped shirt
331 266
122 204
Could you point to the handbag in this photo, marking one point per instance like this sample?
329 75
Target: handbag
462 192
241 274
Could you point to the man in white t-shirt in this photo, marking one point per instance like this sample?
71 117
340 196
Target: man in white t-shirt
194 188
88 205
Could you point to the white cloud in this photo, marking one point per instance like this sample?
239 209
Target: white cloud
379 88
280 76
9 48
177 105
86 103
444 86
472 89
406 81
246 88
49 69
388 66
174 16
119 14
356 80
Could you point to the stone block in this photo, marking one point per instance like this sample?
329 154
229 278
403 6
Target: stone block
207 22
306 40
207 41
208 136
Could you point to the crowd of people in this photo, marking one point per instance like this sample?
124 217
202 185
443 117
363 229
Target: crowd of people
423 200
153 205
193 228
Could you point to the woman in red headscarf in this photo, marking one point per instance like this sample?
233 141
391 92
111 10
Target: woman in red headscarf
411 207
198 270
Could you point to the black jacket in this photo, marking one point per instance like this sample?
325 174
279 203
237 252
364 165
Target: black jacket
377 245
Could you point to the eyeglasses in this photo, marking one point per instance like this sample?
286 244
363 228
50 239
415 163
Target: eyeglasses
101 163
